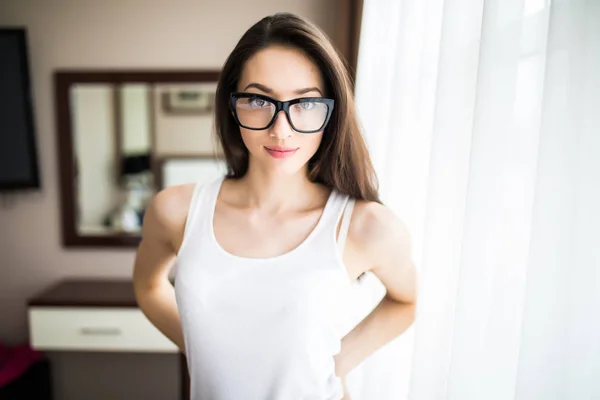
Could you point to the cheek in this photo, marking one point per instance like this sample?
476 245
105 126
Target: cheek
252 139
310 143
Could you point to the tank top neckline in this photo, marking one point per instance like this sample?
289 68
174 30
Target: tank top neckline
214 194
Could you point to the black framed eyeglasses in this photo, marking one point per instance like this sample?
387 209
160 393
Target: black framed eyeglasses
257 112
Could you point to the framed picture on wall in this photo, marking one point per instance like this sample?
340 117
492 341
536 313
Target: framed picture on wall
192 100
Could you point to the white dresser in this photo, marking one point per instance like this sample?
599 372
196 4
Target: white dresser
95 315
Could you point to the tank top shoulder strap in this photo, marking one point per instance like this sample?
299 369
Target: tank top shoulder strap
345 224
339 215
201 195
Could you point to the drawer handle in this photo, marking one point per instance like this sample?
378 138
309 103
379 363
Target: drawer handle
100 331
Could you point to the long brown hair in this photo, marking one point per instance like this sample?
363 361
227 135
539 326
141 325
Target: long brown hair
342 161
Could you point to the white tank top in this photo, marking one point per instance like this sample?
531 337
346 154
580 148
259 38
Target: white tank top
261 328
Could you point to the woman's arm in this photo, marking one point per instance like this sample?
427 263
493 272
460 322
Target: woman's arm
163 221
384 244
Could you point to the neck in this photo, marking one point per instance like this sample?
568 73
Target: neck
275 192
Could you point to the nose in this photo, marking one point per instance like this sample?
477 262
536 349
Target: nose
281 128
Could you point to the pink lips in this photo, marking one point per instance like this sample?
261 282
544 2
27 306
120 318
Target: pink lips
280 151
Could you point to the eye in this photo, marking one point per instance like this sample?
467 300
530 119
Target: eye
257 102
306 105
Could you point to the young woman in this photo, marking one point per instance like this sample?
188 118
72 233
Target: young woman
264 253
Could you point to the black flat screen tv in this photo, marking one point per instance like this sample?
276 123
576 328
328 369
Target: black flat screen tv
18 151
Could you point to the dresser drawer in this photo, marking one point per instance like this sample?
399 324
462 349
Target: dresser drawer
95 329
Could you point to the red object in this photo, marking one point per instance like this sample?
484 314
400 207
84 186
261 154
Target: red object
15 361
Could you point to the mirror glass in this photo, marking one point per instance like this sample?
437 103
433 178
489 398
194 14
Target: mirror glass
133 139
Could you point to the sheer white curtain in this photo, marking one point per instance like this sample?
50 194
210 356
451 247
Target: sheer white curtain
483 119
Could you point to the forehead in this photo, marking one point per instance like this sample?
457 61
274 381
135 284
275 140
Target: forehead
282 69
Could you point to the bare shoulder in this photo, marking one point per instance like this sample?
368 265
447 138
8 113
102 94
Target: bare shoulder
172 202
381 235
384 244
167 213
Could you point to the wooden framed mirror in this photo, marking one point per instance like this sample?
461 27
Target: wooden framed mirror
124 135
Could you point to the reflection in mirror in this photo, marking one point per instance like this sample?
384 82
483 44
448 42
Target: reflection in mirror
120 130
135 178
114 181
178 171
123 136
94 142
184 119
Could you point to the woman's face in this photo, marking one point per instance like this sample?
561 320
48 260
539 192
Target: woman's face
282 74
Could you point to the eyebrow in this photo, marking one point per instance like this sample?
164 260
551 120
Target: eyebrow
269 90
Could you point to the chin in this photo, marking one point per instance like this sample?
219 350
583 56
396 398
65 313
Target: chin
289 166
284 168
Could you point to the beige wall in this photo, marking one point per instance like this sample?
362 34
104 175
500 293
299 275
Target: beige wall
105 34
